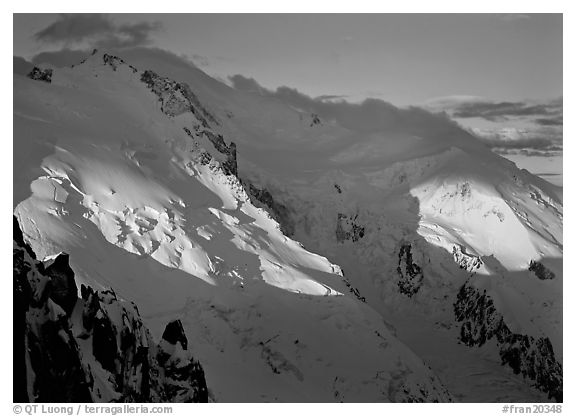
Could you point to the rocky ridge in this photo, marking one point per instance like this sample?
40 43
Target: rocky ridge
44 75
465 260
94 348
410 274
531 357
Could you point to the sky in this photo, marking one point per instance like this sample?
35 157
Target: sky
499 75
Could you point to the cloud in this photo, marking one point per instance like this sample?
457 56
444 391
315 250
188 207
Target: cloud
511 125
246 84
528 152
554 121
330 97
497 111
539 143
75 28
130 35
201 60
375 115
371 115
97 30
450 102
204 61
510 138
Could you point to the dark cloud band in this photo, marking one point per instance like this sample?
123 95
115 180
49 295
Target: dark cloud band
504 110
98 31
554 121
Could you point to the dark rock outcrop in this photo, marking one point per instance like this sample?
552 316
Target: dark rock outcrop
532 357
281 213
142 371
347 228
230 165
177 98
410 274
47 364
63 285
183 376
354 291
315 120
174 333
21 300
60 339
541 271
115 62
38 74
464 260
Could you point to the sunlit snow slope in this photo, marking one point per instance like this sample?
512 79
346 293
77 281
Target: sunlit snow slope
105 171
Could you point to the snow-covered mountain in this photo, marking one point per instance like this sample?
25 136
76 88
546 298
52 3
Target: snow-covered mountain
115 167
438 274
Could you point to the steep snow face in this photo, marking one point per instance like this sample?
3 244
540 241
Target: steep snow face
490 213
131 184
362 191
133 181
